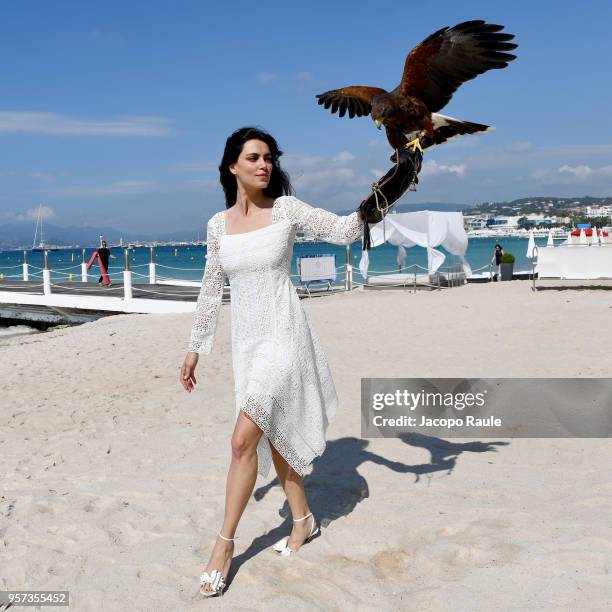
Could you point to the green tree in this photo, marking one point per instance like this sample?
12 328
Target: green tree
597 221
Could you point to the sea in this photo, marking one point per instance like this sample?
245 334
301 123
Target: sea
187 262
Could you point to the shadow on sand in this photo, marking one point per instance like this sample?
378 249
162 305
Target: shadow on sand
335 487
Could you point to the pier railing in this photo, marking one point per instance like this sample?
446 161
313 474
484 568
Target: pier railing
67 278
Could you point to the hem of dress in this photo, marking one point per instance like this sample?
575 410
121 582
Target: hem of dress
300 463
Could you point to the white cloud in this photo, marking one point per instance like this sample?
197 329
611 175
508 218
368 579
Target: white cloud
55 123
32 214
334 178
539 174
206 183
570 174
343 157
584 171
432 167
297 162
580 172
45 177
577 149
465 141
317 175
265 77
521 147
196 167
116 188
320 178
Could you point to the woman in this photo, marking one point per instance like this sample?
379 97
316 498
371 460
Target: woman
285 395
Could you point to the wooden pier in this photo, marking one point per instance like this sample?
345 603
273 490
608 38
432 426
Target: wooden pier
77 302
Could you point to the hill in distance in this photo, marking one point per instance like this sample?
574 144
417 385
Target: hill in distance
18 235
439 206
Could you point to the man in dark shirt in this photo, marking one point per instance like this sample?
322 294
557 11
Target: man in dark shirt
497 256
105 255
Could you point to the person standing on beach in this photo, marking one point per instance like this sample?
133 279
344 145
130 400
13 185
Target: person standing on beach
105 256
284 393
497 258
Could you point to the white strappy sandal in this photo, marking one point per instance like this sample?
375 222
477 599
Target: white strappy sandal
215 578
281 546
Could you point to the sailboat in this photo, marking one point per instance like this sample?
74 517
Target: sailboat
41 245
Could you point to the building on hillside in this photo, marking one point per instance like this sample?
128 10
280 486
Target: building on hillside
599 211
474 222
538 219
503 222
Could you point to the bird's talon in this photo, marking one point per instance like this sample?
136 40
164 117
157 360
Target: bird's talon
415 144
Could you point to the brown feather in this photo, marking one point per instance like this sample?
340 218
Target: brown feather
356 99
438 65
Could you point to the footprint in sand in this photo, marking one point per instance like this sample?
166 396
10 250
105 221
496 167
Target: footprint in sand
52 507
392 562
462 547
98 504
17 509
62 568
125 534
83 532
7 507
159 574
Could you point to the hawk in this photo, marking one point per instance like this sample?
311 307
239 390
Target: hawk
433 71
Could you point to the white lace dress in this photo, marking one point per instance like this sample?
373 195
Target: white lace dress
281 376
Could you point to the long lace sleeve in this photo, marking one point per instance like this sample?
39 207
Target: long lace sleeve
209 299
322 224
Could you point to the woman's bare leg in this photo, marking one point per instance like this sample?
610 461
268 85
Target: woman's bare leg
293 486
240 483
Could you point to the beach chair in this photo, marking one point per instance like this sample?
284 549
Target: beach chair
318 269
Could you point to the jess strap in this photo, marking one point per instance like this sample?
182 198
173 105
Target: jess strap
389 189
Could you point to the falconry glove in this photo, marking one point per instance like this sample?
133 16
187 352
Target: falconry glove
389 189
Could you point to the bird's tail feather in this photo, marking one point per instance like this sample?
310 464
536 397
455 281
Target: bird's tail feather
446 128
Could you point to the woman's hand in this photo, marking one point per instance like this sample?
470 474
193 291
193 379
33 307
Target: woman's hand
188 371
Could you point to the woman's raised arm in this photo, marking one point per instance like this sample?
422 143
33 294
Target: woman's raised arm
322 224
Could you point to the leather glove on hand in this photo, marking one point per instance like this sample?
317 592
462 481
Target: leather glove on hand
390 188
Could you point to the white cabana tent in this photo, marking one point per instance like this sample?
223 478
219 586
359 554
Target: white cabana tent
530 245
427 229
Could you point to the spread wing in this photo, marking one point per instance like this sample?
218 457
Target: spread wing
438 65
356 99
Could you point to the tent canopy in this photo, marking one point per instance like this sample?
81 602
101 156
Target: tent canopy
425 228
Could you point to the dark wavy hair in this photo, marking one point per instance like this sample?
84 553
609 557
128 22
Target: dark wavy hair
279 184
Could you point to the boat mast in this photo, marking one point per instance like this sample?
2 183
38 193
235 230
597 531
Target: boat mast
42 242
36 229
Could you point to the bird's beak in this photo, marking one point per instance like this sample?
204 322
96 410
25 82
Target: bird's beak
378 122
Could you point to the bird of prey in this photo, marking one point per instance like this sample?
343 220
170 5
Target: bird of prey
433 71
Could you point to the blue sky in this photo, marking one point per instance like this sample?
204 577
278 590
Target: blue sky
116 113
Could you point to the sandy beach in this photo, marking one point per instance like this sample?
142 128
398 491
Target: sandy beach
113 478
